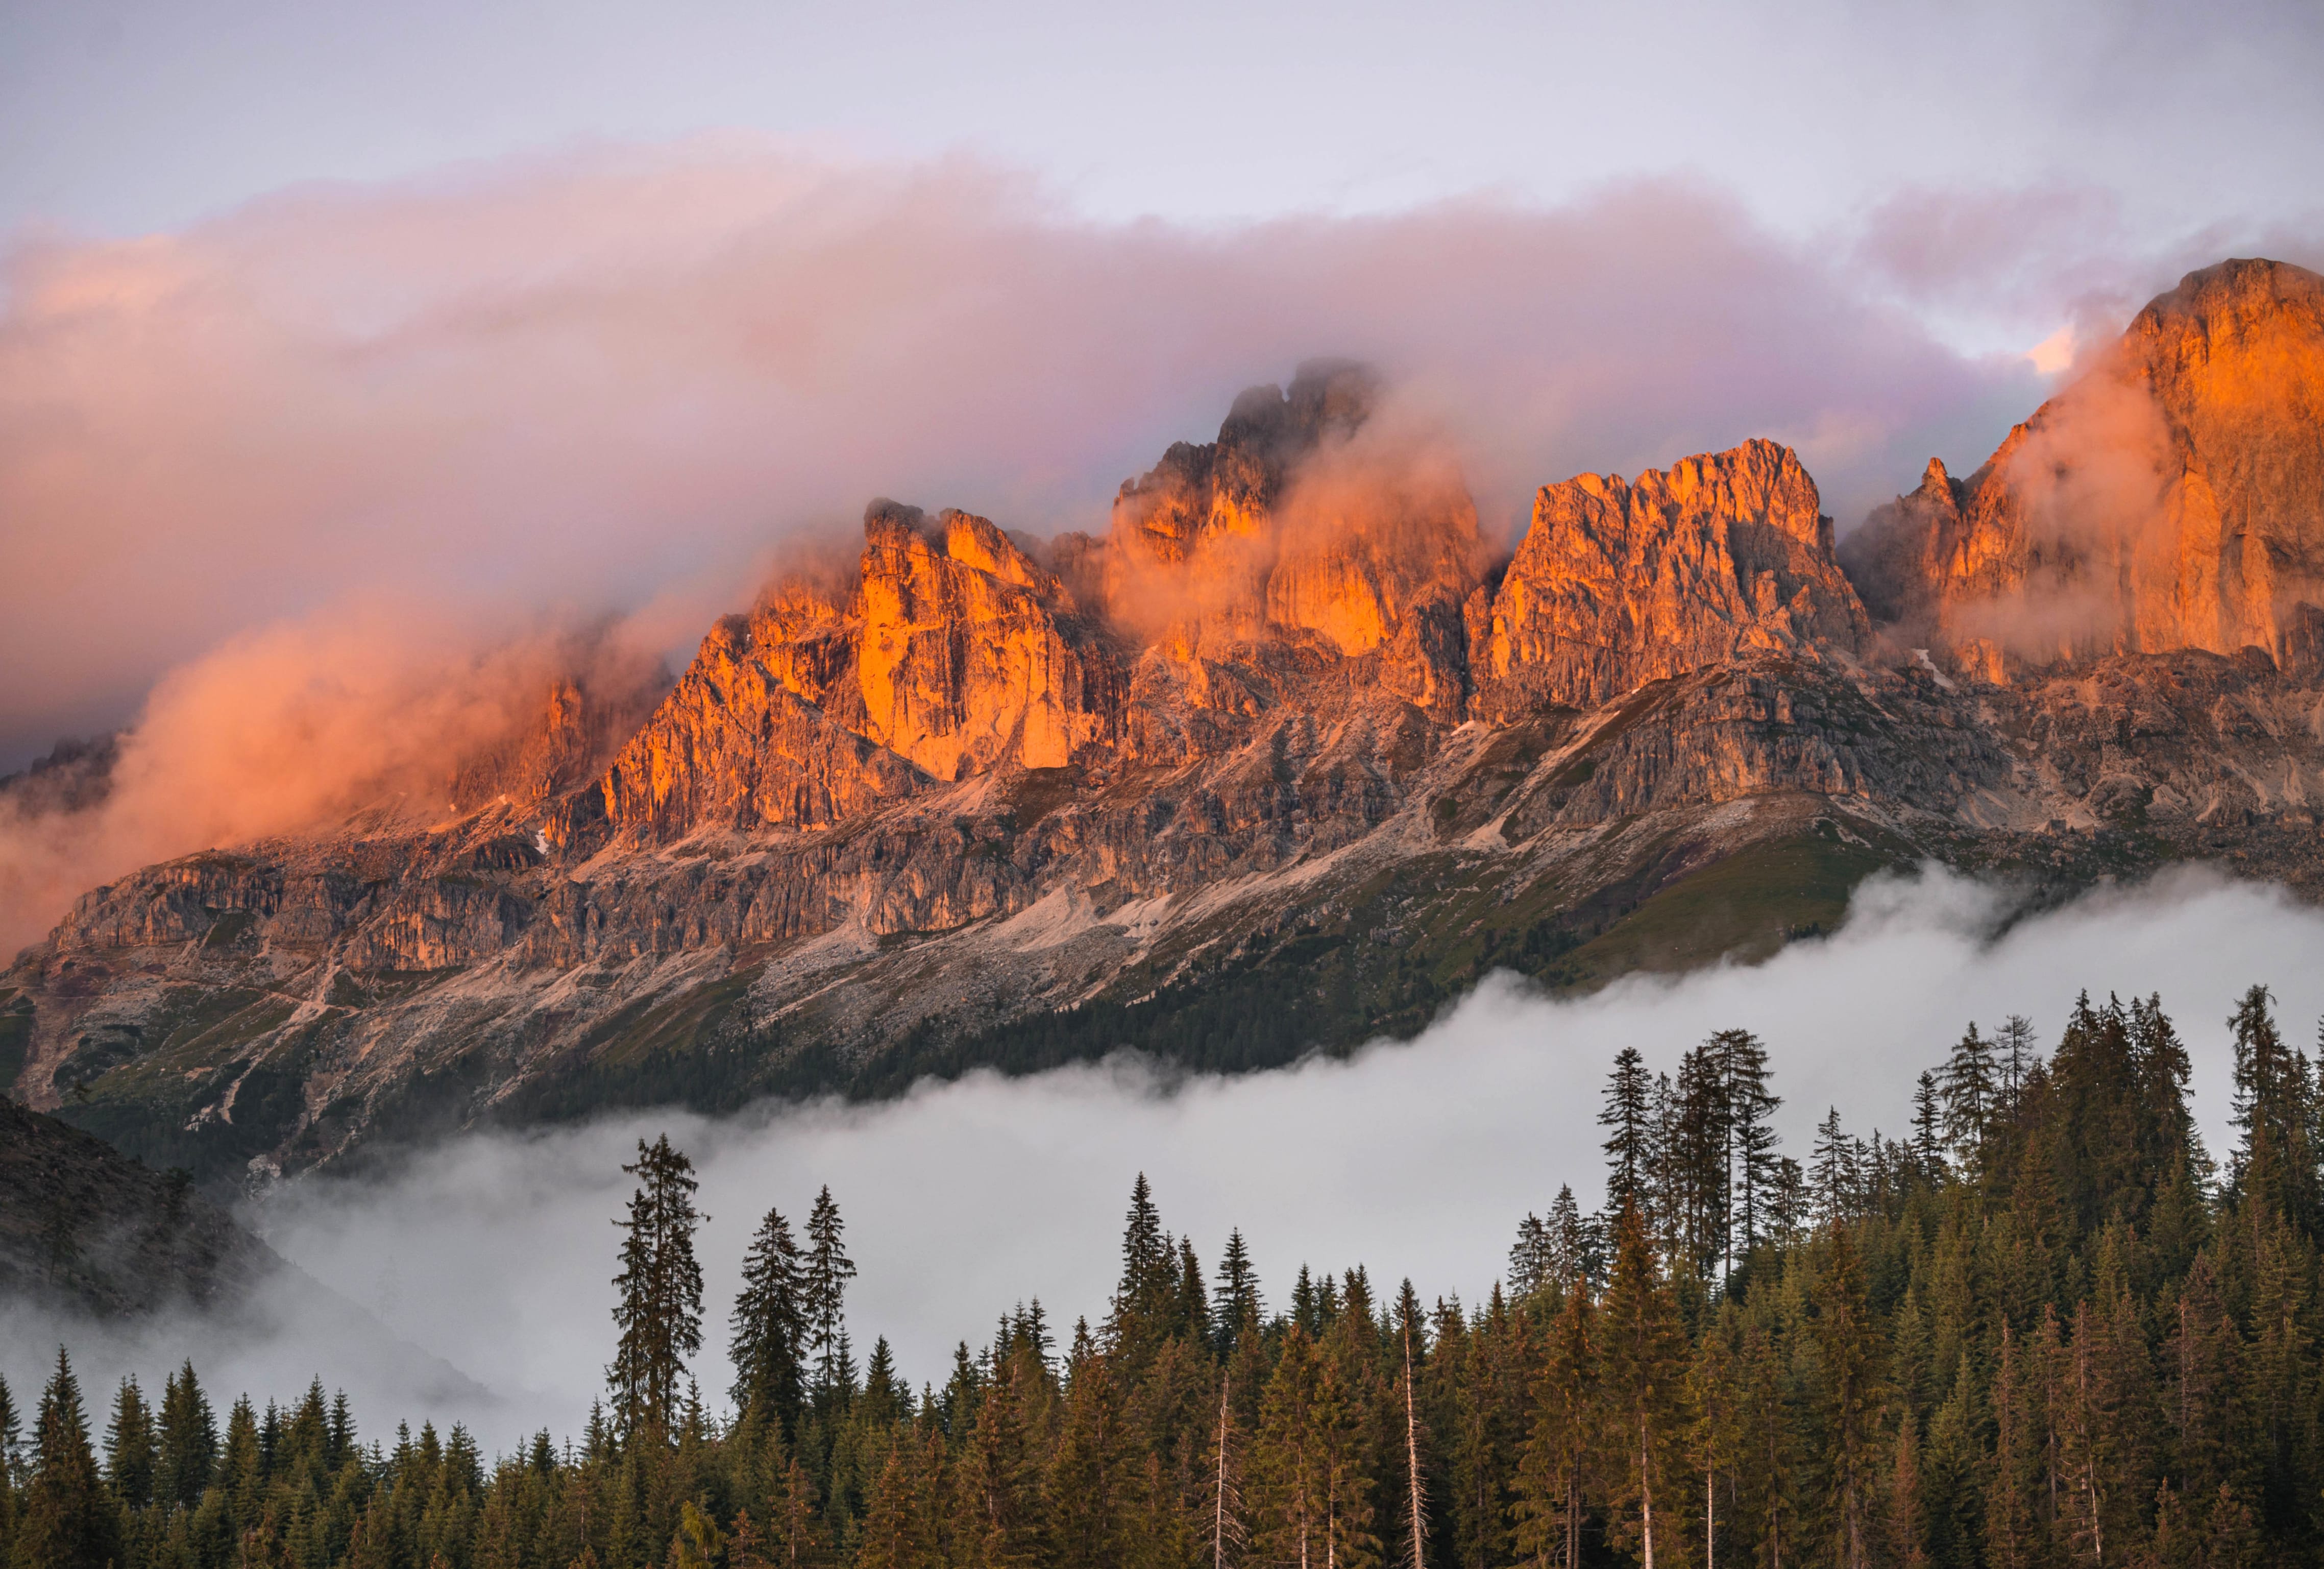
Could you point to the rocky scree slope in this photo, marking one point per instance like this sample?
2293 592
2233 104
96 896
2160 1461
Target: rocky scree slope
1281 762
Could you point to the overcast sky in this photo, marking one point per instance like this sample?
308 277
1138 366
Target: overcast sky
125 115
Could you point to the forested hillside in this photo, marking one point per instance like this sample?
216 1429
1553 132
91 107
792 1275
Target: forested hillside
2045 1327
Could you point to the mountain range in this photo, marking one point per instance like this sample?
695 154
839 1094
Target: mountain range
1285 760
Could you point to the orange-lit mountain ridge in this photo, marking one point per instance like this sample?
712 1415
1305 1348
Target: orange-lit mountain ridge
1282 760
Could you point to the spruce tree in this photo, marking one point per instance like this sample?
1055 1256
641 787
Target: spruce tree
1094 1479
1555 1468
189 1449
1972 1094
1644 1372
769 1328
67 1519
828 1271
1696 1160
1630 1146
2275 1162
1928 1127
1235 1299
1848 1346
1138 1317
1755 1169
1836 1180
129 1458
660 1310
1531 1259
1004 1521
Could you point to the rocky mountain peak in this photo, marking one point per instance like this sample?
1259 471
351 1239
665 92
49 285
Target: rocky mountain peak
1619 582
2170 497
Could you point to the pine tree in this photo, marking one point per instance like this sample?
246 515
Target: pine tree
1719 1440
660 1312
828 1271
1138 1318
1629 1115
1235 1299
129 1447
68 1521
1554 1466
1755 1168
1093 1480
1574 1253
1847 1346
1644 1375
1928 1126
188 1440
770 1327
1533 1259
1972 1096
2016 1055
1836 1177
1696 1160
1004 1521
2275 1162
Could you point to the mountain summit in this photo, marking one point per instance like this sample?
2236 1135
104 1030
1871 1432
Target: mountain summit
2171 497
1279 761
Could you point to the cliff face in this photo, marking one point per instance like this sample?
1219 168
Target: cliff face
1275 762
1616 585
2173 497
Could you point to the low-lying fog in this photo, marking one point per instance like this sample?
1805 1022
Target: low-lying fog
495 1251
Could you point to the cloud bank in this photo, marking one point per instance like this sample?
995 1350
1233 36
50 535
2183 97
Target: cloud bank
587 380
494 1251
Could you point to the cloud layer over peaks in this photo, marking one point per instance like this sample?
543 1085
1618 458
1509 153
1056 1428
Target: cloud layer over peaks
586 381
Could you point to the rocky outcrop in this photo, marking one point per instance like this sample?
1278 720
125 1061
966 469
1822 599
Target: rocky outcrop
1277 758
970 655
2173 497
1616 585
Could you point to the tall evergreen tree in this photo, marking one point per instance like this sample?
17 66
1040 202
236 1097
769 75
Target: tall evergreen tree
1848 1348
1235 1299
1928 1126
189 1449
2274 1162
2017 1054
659 1309
1972 1096
1755 1168
1531 1259
68 1521
1628 1117
1094 1486
129 1449
828 1271
1644 1384
1145 1302
1696 1161
1837 1177
772 1322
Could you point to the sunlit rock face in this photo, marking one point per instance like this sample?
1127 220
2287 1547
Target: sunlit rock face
2173 497
1620 584
970 656
1279 753
737 744
1299 533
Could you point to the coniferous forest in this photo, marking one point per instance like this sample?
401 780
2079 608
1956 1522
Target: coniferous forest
2042 1327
